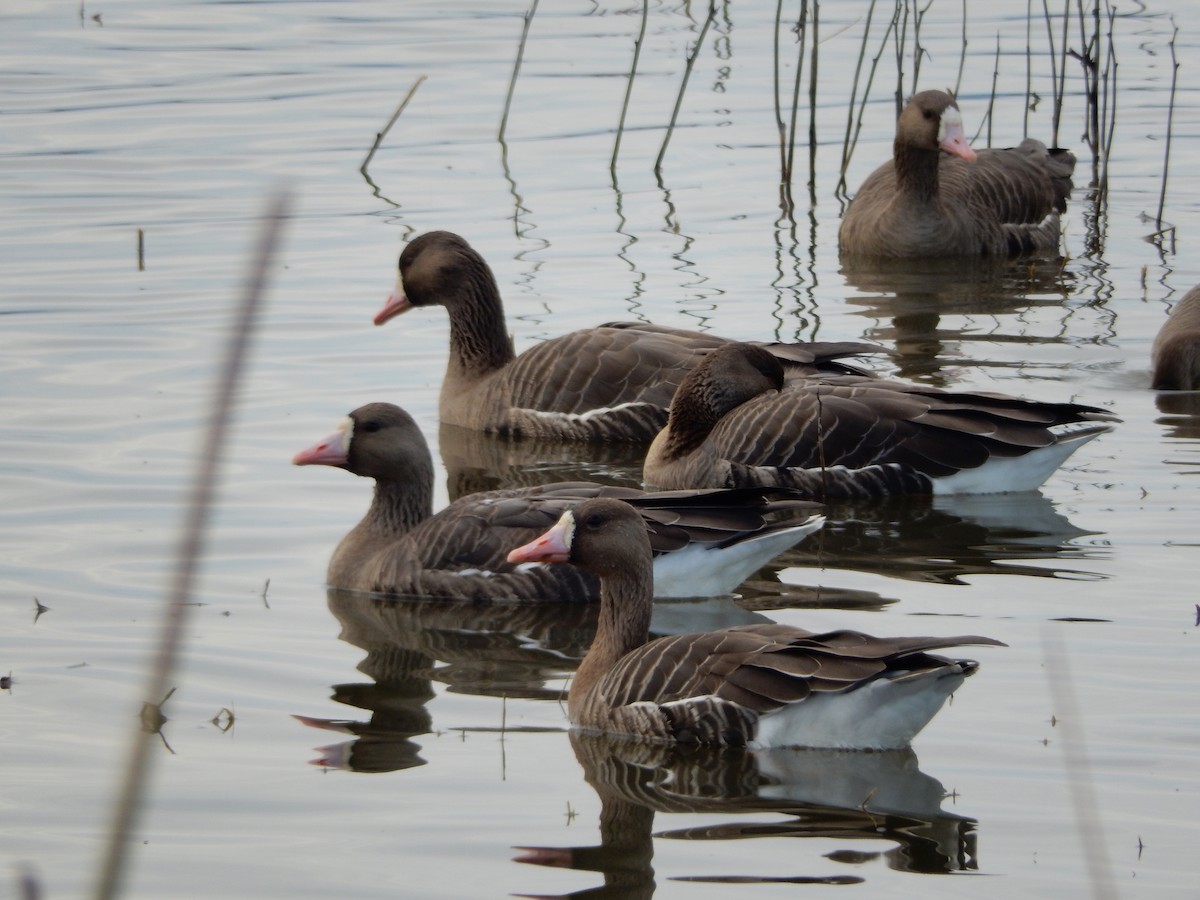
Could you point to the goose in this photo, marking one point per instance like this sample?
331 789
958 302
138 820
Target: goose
613 382
760 686
938 197
1176 349
705 542
735 422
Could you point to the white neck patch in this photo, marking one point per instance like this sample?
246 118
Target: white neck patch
566 522
951 119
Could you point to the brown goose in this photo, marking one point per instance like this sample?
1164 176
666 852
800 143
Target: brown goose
706 542
736 423
938 197
1176 349
756 685
609 383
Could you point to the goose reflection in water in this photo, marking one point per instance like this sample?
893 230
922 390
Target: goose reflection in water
510 649
840 796
1180 417
939 539
929 310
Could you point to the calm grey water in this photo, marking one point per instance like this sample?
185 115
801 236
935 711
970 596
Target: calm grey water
449 746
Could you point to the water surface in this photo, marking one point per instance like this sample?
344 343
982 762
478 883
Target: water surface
448 745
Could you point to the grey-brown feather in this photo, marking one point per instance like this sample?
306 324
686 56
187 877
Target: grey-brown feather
402 547
1176 349
733 425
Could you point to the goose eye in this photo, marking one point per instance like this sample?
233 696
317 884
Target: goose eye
595 520
370 426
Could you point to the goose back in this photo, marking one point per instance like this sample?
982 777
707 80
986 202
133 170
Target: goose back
402 547
613 382
757 685
1175 353
926 202
735 422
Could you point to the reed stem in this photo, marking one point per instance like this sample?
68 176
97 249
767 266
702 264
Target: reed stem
637 53
687 74
191 546
512 82
388 127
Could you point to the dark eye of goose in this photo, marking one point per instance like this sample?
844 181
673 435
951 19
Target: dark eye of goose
595 520
370 426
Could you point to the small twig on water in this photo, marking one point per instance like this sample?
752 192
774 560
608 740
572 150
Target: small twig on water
388 127
141 250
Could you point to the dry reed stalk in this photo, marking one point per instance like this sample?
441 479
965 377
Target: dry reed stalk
1054 89
1028 67
991 107
191 546
852 141
813 58
900 39
512 82
388 127
790 151
962 55
637 53
780 125
687 74
1162 194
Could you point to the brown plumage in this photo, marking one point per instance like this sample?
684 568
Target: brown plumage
609 383
1176 349
402 547
735 421
761 685
926 202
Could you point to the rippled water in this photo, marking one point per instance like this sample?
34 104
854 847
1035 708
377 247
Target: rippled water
448 745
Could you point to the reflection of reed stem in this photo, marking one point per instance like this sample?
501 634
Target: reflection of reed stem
637 52
687 74
512 82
